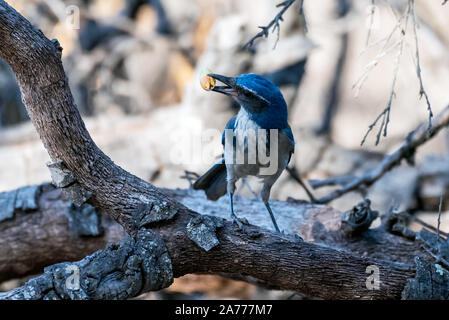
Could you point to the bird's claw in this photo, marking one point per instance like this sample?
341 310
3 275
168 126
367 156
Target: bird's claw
241 222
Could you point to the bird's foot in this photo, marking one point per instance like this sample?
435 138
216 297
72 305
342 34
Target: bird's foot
241 222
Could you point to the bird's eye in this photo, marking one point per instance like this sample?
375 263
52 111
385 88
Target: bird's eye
247 94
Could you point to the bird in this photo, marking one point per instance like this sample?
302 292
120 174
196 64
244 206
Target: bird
262 110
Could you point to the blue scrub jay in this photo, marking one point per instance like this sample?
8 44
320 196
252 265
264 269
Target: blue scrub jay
262 106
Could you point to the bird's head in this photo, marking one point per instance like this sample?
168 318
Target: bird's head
253 92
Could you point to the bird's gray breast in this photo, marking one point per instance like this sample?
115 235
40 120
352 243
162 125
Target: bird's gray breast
247 146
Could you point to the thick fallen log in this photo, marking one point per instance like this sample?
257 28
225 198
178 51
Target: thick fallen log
51 237
48 231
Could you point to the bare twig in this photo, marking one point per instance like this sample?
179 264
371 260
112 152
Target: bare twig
371 22
383 52
439 216
246 184
357 86
273 25
422 91
295 175
333 181
436 250
428 226
385 114
438 259
414 140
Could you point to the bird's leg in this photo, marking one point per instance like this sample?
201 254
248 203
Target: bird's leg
265 196
234 218
267 205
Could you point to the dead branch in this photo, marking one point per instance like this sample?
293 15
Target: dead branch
120 271
295 176
422 91
428 226
371 23
63 240
385 114
333 181
414 140
439 216
273 24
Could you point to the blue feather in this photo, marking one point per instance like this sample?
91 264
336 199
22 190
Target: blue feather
275 113
229 125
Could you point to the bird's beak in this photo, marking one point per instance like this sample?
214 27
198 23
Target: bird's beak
230 85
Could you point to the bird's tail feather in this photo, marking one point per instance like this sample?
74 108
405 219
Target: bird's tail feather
213 182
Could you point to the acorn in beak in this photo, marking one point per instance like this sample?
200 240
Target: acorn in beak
229 87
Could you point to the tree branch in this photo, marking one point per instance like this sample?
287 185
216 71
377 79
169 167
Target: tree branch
28 253
273 24
422 91
117 272
414 140
48 232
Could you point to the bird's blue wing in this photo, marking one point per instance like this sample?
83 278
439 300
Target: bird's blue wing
229 125
288 132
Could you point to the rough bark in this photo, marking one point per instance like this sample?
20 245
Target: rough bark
280 260
47 233
315 223
121 271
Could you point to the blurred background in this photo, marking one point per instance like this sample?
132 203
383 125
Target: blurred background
134 69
